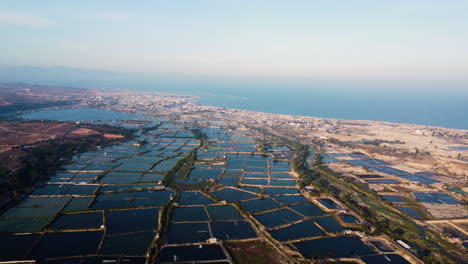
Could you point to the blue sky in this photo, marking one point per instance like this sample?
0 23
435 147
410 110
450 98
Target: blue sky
329 39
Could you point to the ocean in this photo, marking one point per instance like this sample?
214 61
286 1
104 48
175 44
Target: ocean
431 108
432 103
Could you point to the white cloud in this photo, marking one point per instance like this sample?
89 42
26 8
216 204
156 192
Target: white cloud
8 17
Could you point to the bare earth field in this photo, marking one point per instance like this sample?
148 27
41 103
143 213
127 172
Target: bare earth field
24 133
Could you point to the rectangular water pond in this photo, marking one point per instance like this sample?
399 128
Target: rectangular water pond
260 175
288 183
308 209
382 259
229 181
109 204
254 181
275 163
389 170
333 247
194 198
329 204
55 245
297 231
189 214
349 219
139 167
281 176
23 212
22 225
411 212
255 169
279 169
278 218
233 173
191 253
384 181
128 244
260 205
224 212
277 191
126 221
232 230
394 198
66 189
187 233
91 220
35 202
15 247
166 165
251 189
290 199
412 177
330 224
119 180
232 195
440 198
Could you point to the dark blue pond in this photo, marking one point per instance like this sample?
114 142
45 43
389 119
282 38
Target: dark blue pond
227 212
232 230
297 231
231 195
384 181
330 224
288 183
191 253
275 191
411 212
330 204
78 221
233 173
15 247
126 221
189 214
54 245
194 198
333 247
350 219
129 244
229 181
278 218
387 258
187 233
394 198
260 205
290 199
308 209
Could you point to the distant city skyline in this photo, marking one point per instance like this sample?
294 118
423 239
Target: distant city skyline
357 40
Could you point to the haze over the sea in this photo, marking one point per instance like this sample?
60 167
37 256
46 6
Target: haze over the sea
399 61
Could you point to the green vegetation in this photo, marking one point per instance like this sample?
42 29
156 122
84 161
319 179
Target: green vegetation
199 135
181 170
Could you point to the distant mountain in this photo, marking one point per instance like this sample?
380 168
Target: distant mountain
63 76
99 79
